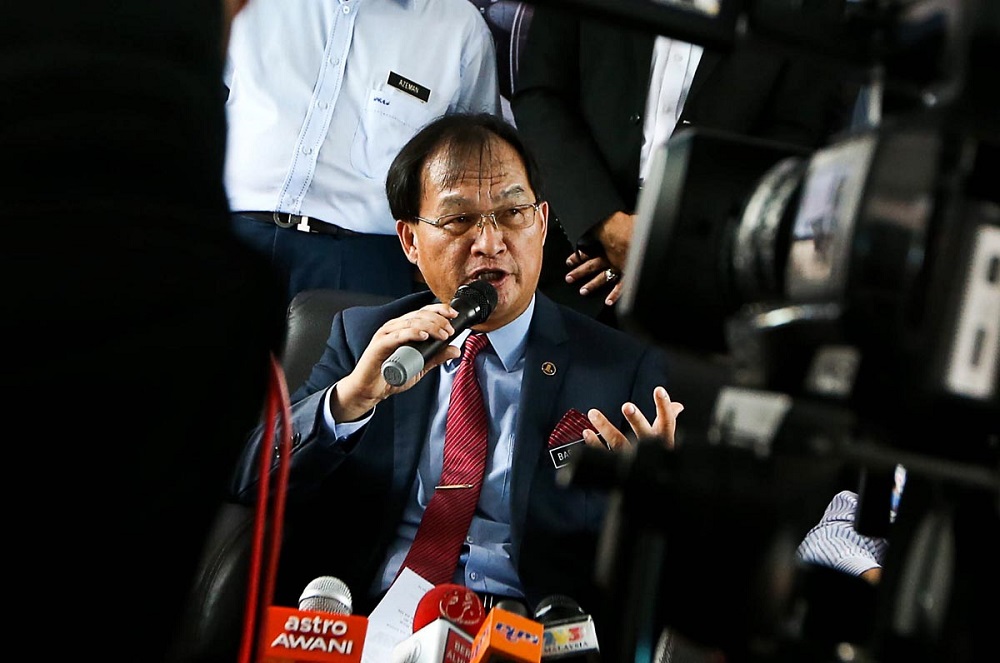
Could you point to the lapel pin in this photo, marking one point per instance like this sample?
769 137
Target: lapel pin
548 368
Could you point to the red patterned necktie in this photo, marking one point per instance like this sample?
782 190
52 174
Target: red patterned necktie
435 550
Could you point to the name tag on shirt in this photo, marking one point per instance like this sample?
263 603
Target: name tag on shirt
408 86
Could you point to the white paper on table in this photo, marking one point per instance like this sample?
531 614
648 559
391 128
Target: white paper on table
391 621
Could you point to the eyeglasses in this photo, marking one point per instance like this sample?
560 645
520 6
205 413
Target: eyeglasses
517 217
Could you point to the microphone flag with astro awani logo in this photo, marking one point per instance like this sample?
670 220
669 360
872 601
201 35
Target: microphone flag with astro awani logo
321 629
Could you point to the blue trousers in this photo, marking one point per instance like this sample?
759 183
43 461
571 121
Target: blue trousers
303 261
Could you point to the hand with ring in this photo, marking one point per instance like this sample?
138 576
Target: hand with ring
599 272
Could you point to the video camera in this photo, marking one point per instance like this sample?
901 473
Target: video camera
855 291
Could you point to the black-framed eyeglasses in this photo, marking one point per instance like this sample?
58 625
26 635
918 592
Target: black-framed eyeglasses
517 217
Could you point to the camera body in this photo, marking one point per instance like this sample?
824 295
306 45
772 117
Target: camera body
855 293
863 274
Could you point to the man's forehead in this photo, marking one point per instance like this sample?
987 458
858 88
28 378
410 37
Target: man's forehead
446 171
473 190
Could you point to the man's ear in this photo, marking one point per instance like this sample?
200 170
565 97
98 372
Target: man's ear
543 218
408 240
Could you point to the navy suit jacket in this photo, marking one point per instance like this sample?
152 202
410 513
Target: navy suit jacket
345 500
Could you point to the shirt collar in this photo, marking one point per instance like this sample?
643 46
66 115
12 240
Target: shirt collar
508 341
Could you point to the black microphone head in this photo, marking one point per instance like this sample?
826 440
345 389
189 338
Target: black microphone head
514 606
557 607
482 295
327 594
474 302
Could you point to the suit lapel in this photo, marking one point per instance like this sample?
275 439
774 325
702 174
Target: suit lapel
546 362
708 62
642 58
619 60
410 428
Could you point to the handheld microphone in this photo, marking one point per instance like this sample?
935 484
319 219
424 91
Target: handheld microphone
321 629
570 636
508 636
444 623
474 302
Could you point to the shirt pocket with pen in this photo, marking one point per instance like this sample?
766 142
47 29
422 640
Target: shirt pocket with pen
389 119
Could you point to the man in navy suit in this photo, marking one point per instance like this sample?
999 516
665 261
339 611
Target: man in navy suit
366 455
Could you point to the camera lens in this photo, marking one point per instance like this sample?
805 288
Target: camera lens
761 242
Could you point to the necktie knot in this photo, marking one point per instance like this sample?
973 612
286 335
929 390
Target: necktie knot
473 344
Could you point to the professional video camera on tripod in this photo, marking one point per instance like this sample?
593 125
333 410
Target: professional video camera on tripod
856 291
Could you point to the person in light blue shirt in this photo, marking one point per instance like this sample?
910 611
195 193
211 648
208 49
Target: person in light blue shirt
322 95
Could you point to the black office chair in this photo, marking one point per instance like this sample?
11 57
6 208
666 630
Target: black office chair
309 318
211 630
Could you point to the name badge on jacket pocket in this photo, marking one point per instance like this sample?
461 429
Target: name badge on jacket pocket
408 86
562 454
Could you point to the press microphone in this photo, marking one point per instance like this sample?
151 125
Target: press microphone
513 605
444 623
327 594
474 302
508 636
569 636
321 629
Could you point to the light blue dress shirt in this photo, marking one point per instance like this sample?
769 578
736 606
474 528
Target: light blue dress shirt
324 93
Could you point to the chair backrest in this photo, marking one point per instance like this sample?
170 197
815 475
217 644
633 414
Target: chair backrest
212 627
309 318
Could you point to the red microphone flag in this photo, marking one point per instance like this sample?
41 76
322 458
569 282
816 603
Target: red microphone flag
291 634
455 603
